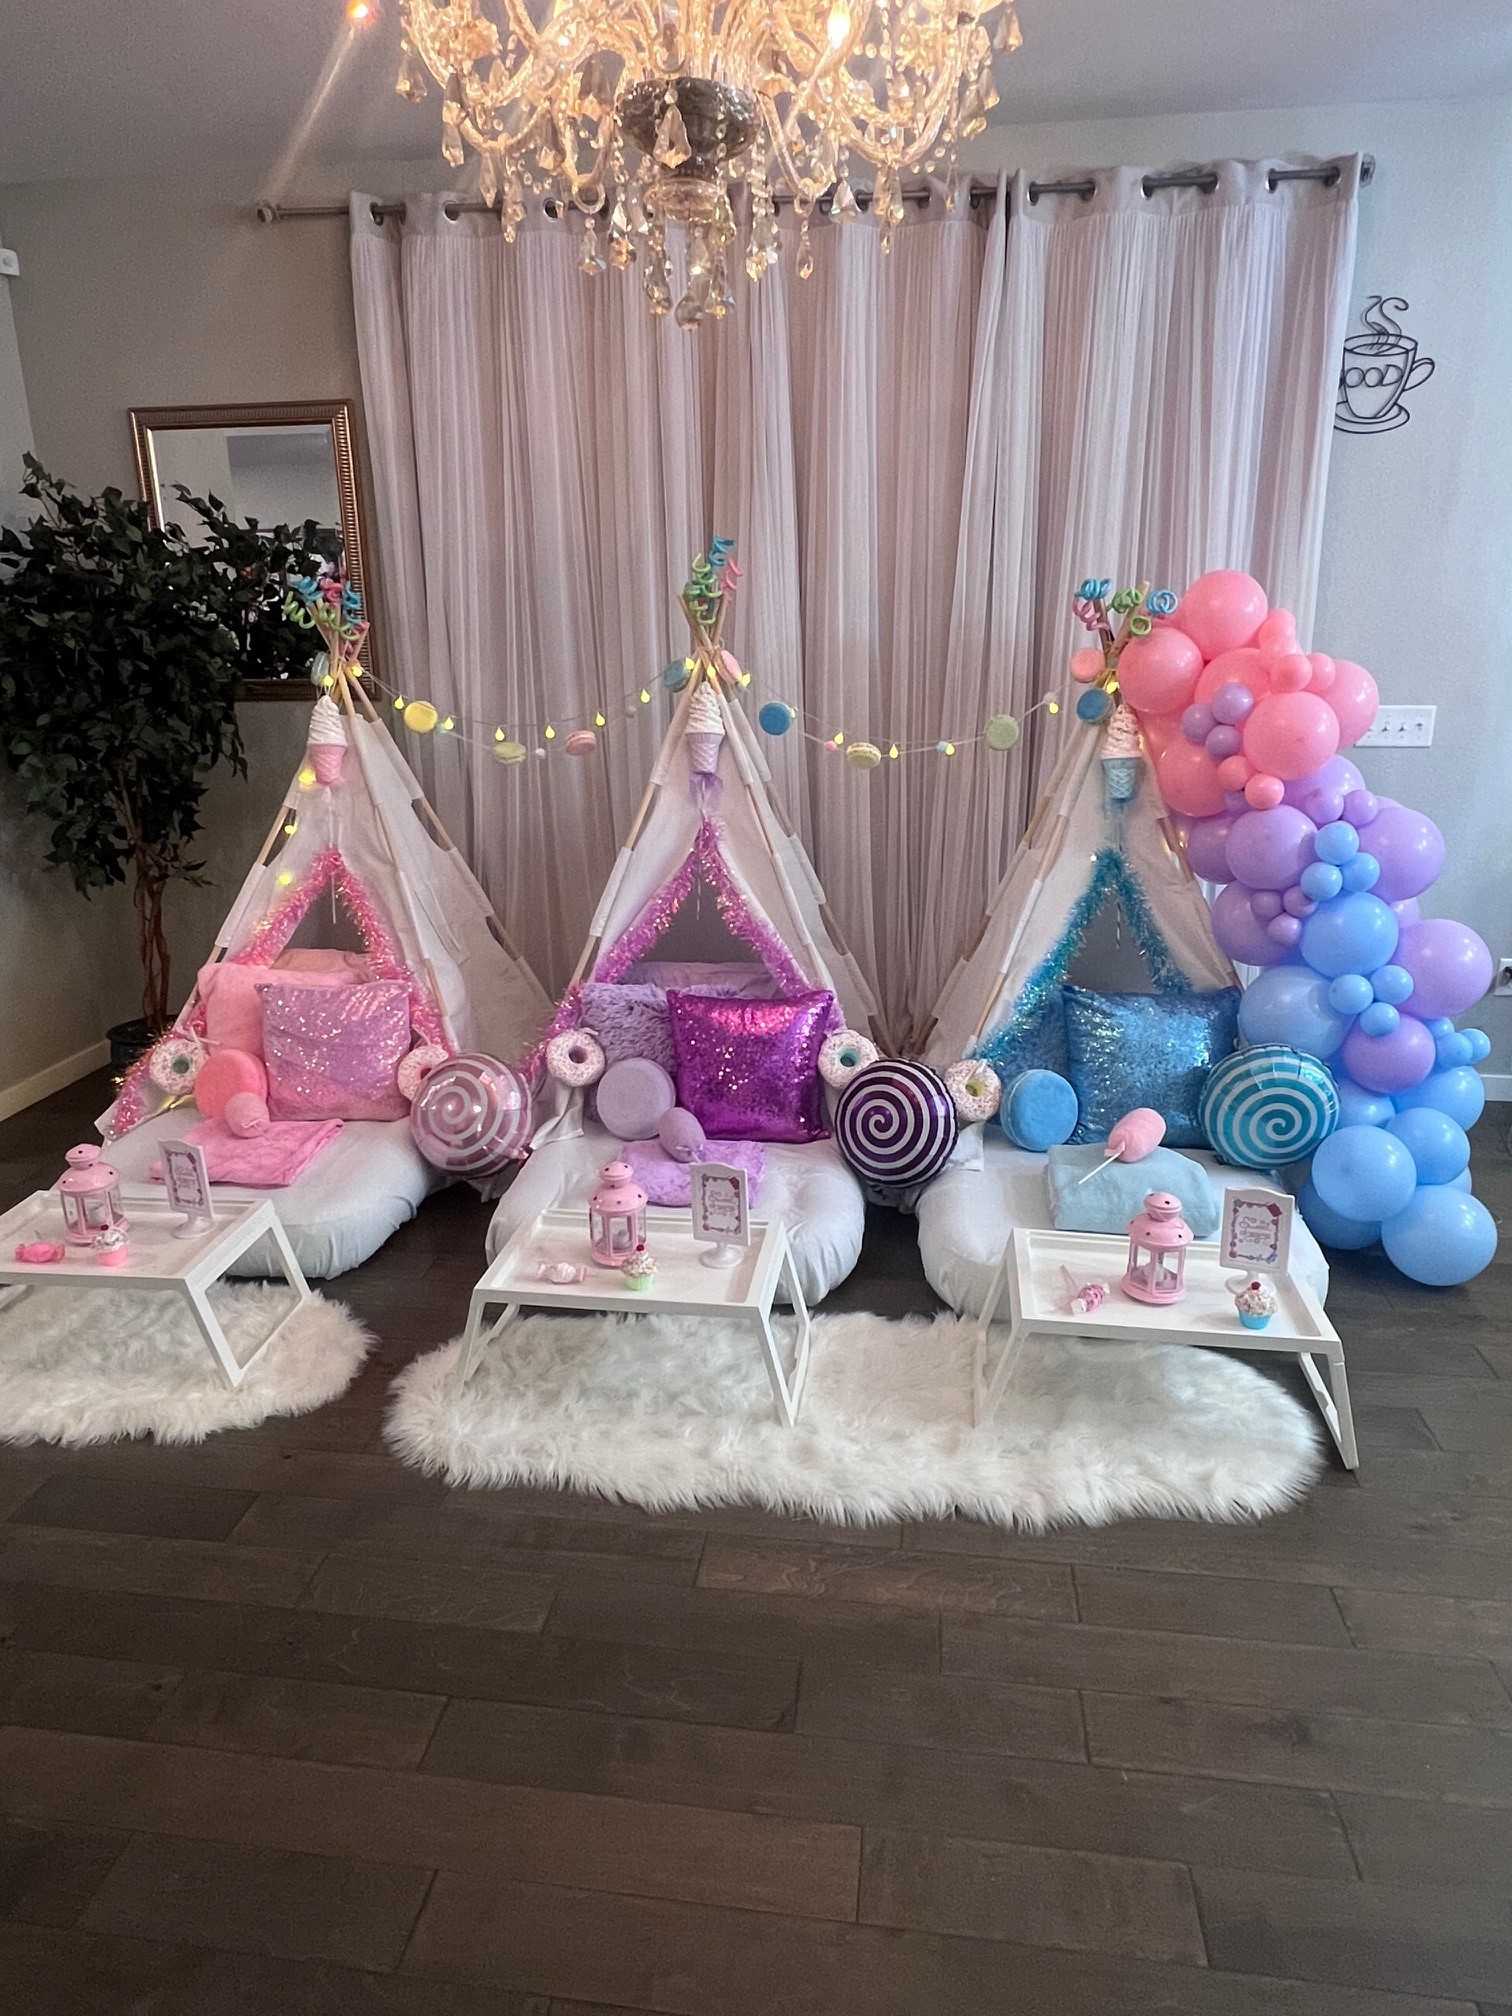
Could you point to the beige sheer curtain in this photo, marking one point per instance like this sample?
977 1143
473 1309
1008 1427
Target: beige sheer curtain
920 455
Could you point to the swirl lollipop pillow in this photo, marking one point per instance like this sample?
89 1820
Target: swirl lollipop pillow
471 1116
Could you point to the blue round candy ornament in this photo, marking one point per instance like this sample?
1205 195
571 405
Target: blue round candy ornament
676 675
1039 1111
1337 842
776 717
1092 704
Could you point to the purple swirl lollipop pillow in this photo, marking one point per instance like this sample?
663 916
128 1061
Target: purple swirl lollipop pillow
749 1070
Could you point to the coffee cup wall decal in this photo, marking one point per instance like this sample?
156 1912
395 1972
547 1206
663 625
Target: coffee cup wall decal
1380 365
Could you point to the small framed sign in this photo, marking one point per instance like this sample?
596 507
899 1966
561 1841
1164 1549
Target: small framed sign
720 1201
188 1185
1256 1230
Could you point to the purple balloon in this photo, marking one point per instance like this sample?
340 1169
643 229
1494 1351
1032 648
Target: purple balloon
1285 930
1321 796
1409 847
1223 741
1408 911
1266 903
1240 933
1232 703
1392 1063
1269 850
1206 845
1197 722
1360 807
1298 903
1449 963
1235 802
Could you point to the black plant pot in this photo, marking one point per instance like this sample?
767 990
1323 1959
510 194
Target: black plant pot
127 1041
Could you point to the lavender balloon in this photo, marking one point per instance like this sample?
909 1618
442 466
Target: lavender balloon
1197 722
1449 963
1232 703
1206 848
1286 930
1410 849
1222 741
1391 1063
1240 933
1361 807
1297 902
1321 796
1266 903
1269 850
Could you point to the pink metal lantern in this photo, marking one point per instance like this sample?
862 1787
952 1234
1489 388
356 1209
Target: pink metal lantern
90 1193
616 1216
1158 1240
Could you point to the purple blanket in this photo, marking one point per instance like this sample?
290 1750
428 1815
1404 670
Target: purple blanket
667 1182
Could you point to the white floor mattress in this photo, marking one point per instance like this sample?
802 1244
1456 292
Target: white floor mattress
807 1187
966 1214
354 1195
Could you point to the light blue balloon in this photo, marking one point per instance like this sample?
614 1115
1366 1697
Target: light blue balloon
1356 934
1289 1004
1480 1045
1454 1049
1363 872
1350 994
1439 1146
1364 1173
1460 1182
1337 842
1391 983
1457 1092
1379 1019
1321 880
1329 1228
1359 1108
1441 1237
1441 1025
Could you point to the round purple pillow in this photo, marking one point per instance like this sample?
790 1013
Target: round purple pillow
632 1097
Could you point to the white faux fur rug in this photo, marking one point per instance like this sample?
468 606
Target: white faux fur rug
666 1413
80 1365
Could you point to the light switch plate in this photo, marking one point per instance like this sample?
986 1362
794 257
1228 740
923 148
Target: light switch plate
1400 728
10 265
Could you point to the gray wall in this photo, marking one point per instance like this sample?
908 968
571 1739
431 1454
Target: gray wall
151 293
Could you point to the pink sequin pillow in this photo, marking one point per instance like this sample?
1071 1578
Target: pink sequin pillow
333 1052
749 1070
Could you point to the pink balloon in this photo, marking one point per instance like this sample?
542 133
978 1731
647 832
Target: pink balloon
1138 1134
1156 674
1354 699
1240 933
1449 963
1087 666
1243 668
1234 772
1264 791
1188 779
1393 1063
1221 611
1290 673
1291 734
1269 850
1322 671
1159 730
1278 632
1206 840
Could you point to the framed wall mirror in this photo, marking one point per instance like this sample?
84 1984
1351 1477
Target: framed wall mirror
268 465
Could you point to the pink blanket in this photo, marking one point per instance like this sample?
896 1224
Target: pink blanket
666 1181
267 1161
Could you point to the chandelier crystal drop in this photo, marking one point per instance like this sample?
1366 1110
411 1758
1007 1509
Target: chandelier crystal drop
641 113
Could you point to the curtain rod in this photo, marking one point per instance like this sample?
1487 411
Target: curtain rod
1085 187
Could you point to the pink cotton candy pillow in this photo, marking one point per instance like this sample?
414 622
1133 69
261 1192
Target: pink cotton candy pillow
333 1053
233 1012
749 1070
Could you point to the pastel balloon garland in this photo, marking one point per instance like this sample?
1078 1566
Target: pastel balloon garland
1321 884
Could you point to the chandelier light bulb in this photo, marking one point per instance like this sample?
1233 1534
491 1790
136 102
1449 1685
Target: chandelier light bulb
692 114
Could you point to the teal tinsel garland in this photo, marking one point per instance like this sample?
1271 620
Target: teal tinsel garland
1032 1025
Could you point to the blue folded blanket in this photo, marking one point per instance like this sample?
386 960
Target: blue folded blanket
1116 1194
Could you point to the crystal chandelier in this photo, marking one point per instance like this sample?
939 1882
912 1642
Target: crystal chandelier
649 111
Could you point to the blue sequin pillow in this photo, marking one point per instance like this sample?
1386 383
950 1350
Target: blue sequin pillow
1032 1039
1130 1050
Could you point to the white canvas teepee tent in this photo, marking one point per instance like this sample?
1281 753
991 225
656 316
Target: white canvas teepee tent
1085 854
373 842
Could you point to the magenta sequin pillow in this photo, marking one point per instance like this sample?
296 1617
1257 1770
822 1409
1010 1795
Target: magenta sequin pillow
749 1070
333 1052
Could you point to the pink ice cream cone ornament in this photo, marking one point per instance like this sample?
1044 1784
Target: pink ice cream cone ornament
327 741
704 732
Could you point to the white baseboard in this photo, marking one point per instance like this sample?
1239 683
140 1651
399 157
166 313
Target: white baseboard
1498 1084
67 1071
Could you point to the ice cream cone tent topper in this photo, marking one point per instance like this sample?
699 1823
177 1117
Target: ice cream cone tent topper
711 869
1322 880
1100 842
355 828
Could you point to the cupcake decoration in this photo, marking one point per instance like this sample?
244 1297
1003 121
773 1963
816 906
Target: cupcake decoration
639 1271
1256 1303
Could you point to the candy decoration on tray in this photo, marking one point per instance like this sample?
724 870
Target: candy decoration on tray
639 1270
975 1089
111 1248
1255 1300
471 1116
1083 1297
844 1054
575 1057
40 1252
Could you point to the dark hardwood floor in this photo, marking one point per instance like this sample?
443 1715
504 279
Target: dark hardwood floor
288 1730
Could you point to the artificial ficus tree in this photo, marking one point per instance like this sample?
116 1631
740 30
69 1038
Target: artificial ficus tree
122 652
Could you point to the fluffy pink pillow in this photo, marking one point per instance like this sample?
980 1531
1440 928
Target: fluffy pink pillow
749 1070
333 1053
233 1013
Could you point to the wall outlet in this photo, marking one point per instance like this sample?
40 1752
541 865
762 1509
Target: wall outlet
10 265
1400 728
1503 981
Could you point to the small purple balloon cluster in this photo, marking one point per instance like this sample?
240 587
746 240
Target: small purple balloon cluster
1322 893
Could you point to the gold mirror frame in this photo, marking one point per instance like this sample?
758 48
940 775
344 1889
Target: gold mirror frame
337 414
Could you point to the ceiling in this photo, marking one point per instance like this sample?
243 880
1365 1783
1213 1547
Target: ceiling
113 88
